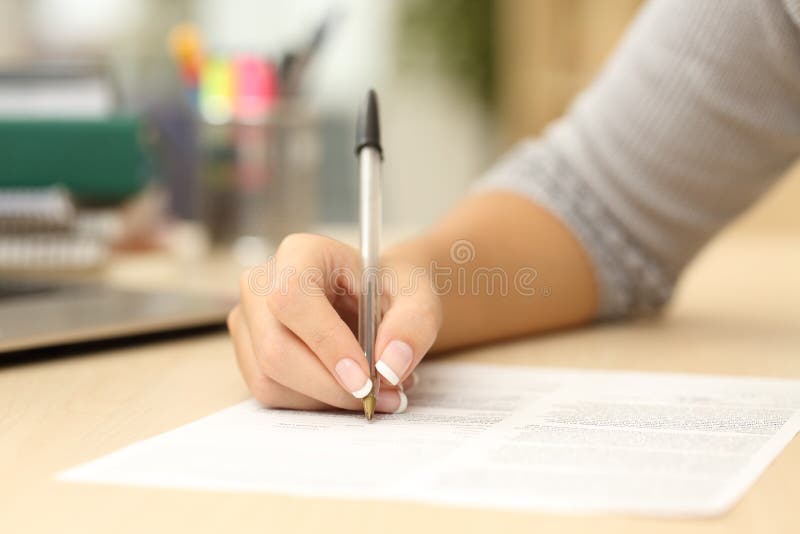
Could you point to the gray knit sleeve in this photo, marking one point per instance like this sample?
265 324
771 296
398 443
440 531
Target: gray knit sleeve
696 114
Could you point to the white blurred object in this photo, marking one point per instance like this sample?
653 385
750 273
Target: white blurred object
188 241
66 25
250 251
440 141
35 209
75 98
40 231
356 55
48 252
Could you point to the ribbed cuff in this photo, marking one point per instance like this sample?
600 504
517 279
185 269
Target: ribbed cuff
631 281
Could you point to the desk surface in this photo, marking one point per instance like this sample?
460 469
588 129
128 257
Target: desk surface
737 312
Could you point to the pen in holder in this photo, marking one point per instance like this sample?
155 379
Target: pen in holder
258 177
258 144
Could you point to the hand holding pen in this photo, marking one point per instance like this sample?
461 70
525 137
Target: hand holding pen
296 326
298 348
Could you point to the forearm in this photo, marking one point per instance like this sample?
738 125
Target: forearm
503 267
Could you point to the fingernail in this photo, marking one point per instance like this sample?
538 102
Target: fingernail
391 401
394 361
353 378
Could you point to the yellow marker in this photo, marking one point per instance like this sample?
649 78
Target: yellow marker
217 90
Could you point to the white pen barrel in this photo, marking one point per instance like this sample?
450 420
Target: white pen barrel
370 223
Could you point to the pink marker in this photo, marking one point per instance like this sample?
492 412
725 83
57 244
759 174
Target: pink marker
256 88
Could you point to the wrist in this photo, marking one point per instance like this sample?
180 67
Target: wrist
408 266
416 252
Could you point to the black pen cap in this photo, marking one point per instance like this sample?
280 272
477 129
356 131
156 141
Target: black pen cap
368 128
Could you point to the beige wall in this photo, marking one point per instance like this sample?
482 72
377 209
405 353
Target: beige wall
548 50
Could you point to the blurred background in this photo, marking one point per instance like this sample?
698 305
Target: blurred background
190 126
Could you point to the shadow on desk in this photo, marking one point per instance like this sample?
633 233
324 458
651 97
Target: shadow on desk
94 348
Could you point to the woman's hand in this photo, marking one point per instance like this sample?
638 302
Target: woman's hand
294 328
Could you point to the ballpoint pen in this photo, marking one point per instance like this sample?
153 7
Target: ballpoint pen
370 156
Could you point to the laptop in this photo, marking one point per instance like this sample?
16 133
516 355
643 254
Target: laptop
36 315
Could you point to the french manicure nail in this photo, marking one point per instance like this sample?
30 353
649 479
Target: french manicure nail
394 361
391 402
353 378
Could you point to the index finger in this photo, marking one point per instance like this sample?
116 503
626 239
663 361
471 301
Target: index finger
303 306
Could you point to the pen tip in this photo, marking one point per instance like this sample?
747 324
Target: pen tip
369 406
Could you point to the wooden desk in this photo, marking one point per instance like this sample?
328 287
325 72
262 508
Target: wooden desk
737 312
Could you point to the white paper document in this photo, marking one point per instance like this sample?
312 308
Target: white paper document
493 436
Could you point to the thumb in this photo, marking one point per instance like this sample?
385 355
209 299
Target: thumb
406 333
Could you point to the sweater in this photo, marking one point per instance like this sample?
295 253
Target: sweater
693 118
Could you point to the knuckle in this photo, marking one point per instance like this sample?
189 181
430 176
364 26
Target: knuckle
280 302
322 337
295 241
265 392
272 362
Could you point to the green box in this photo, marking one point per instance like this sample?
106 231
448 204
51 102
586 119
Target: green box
98 161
